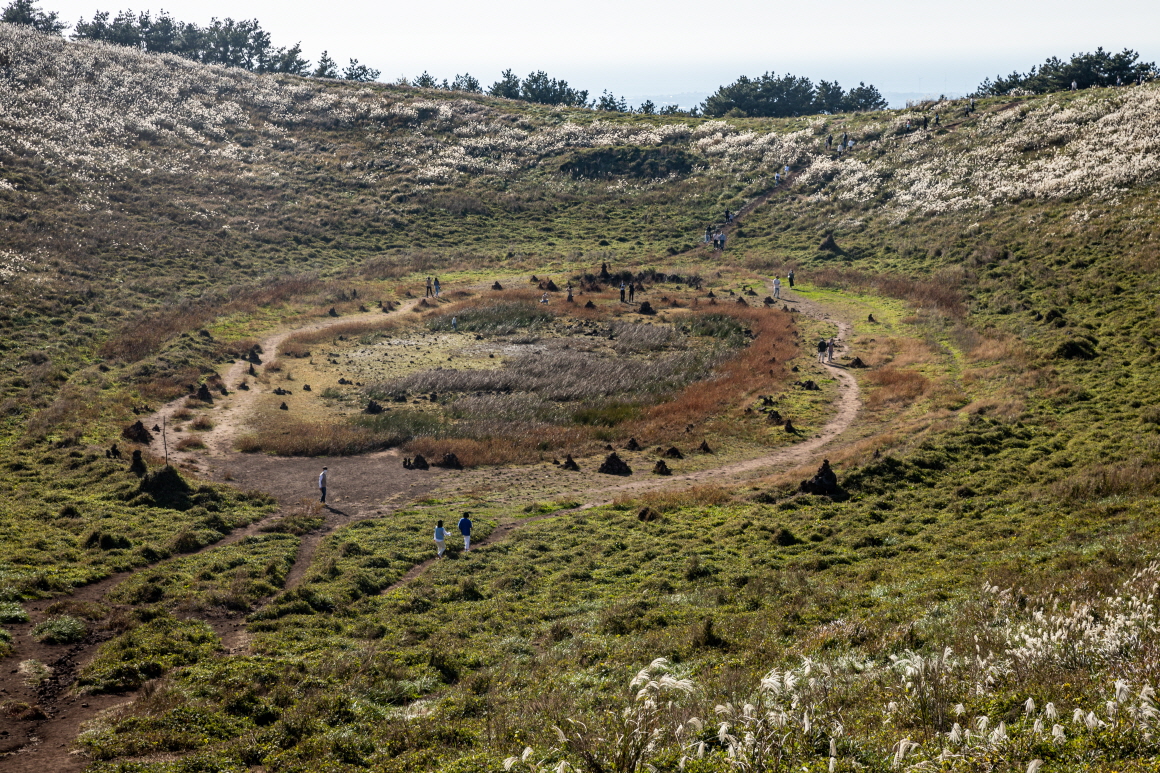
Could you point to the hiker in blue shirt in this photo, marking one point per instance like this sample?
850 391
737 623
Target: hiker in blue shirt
465 530
440 537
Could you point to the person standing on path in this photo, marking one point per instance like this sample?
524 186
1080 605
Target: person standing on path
322 485
430 292
632 292
776 287
822 346
830 349
622 291
465 530
790 278
437 288
440 540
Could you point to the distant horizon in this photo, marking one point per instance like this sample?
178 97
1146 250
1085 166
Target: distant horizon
900 47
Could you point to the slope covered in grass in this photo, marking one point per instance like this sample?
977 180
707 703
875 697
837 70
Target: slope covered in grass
980 595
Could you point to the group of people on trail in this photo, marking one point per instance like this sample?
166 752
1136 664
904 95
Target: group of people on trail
716 238
433 288
826 349
465 524
441 535
777 284
630 288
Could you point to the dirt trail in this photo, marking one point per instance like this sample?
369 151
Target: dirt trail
229 418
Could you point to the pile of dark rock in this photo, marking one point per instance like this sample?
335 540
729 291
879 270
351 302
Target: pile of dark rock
449 462
418 463
137 433
825 482
614 465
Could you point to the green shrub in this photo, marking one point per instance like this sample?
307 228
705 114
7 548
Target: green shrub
64 629
146 652
11 612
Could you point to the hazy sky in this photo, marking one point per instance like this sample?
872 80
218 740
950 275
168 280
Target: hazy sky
646 49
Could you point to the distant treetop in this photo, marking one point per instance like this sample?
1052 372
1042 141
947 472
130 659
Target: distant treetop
780 96
27 13
1084 70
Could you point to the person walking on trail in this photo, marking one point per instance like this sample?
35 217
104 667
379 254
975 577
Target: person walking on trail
822 346
430 292
830 349
322 485
721 240
790 278
776 287
632 292
829 141
437 288
465 530
708 234
622 291
440 540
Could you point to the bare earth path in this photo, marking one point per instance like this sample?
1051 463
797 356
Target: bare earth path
366 487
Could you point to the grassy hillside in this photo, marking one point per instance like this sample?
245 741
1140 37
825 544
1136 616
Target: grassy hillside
979 595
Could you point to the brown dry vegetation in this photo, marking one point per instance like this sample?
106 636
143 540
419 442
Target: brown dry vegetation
760 366
292 437
299 344
895 385
146 334
1133 478
941 293
669 501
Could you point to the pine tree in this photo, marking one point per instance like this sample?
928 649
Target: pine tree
327 67
27 13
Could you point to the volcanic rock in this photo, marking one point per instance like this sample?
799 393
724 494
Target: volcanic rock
137 433
449 462
614 465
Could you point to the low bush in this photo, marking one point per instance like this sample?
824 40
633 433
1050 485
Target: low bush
11 612
64 629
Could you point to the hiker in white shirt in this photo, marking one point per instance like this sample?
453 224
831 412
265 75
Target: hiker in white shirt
776 287
322 485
